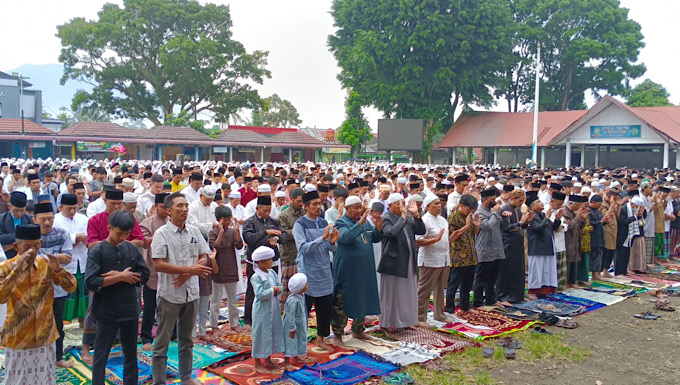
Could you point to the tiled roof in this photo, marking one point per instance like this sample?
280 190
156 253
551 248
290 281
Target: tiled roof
296 138
507 129
101 129
177 133
13 126
264 130
241 135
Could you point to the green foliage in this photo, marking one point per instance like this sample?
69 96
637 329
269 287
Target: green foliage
185 119
152 59
81 114
587 45
648 94
275 112
421 59
355 130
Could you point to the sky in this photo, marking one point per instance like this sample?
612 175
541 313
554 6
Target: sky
295 34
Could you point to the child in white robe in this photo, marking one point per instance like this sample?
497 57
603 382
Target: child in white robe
295 322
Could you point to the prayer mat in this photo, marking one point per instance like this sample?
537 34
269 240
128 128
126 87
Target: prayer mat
375 345
346 370
647 278
204 377
604 298
586 304
490 319
320 357
432 340
231 341
73 376
203 356
551 307
617 287
408 354
114 366
243 372
519 314
311 334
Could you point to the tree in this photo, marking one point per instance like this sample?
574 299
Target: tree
152 59
421 59
587 45
648 94
275 112
71 117
355 130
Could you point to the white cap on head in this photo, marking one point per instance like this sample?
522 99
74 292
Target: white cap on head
263 253
234 195
637 200
585 190
309 187
352 200
402 180
279 194
614 184
429 199
396 197
208 191
263 188
416 198
297 282
129 198
577 184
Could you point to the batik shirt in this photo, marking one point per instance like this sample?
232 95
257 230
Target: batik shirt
463 251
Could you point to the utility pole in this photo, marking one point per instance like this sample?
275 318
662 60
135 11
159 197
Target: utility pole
534 146
21 106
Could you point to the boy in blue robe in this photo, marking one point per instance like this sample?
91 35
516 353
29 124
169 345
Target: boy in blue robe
295 322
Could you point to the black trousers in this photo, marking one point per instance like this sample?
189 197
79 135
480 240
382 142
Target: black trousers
103 340
324 310
486 275
463 278
608 257
58 310
250 295
621 261
572 272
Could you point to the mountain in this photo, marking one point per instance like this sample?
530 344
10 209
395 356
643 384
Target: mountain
46 77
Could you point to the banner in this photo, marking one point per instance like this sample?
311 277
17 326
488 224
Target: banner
95 146
337 150
615 132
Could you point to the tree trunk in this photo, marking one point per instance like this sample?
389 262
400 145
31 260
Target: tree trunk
564 98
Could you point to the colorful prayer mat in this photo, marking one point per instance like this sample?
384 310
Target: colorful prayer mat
375 346
551 307
431 339
232 341
243 372
204 377
114 366
648 278
491 319
604 298
346 370
79 374
586 304
203 356
617 287
408 354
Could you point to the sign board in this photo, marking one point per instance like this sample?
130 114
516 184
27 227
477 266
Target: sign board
401 134
36 144
221 149
246 149
337 150
615 132
94 146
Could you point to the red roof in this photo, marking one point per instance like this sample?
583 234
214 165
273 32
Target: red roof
101 130
170 132
13 126
241 136
264 130
507 129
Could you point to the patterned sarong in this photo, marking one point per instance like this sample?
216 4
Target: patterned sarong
30 366
561 257
674 244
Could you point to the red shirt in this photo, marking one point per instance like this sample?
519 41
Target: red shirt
97 229
247 196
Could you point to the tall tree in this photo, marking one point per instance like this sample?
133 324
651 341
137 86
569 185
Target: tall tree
355 130
587 45
152 59
648 94
80 114
421 59
276 112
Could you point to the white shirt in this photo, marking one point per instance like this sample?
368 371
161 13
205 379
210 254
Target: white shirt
558 236
237 213
77 225
252 205
29 194
235 186
436 254
668 211
145 202
202 216
452 201
96 207
191 194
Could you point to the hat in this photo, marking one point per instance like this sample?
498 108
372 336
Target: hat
322 188
78 186
429 199
664 189
127 182
632 193
490 192
402 180
310 196
129 198
196 176
461 178
28 232
416 198
297 282
279 194
208 191
176 171
558 196
378 206
265 200
32 177
45 207
264 188
508 187
555 187
352 200
577 199
117 180
536 185
396 197
17 199
531 199
637 200
114 195
234 195
160 198
414 185
263 253
596 198
69 200
385 187
352 186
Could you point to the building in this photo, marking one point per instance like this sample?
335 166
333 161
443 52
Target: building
11 98
609 134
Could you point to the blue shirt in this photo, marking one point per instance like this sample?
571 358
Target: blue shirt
314 258
17 222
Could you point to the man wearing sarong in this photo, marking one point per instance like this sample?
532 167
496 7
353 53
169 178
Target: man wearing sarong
489 244
510 282
542 263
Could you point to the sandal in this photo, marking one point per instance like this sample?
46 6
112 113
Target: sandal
488 352
663 306
406 379
548 319
509 342
540 330
567 324
510 353
647 316
392 378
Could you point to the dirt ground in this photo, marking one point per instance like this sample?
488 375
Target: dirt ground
625 350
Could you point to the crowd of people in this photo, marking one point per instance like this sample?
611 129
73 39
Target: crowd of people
105 243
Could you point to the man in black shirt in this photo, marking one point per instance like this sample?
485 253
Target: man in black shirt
114 268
